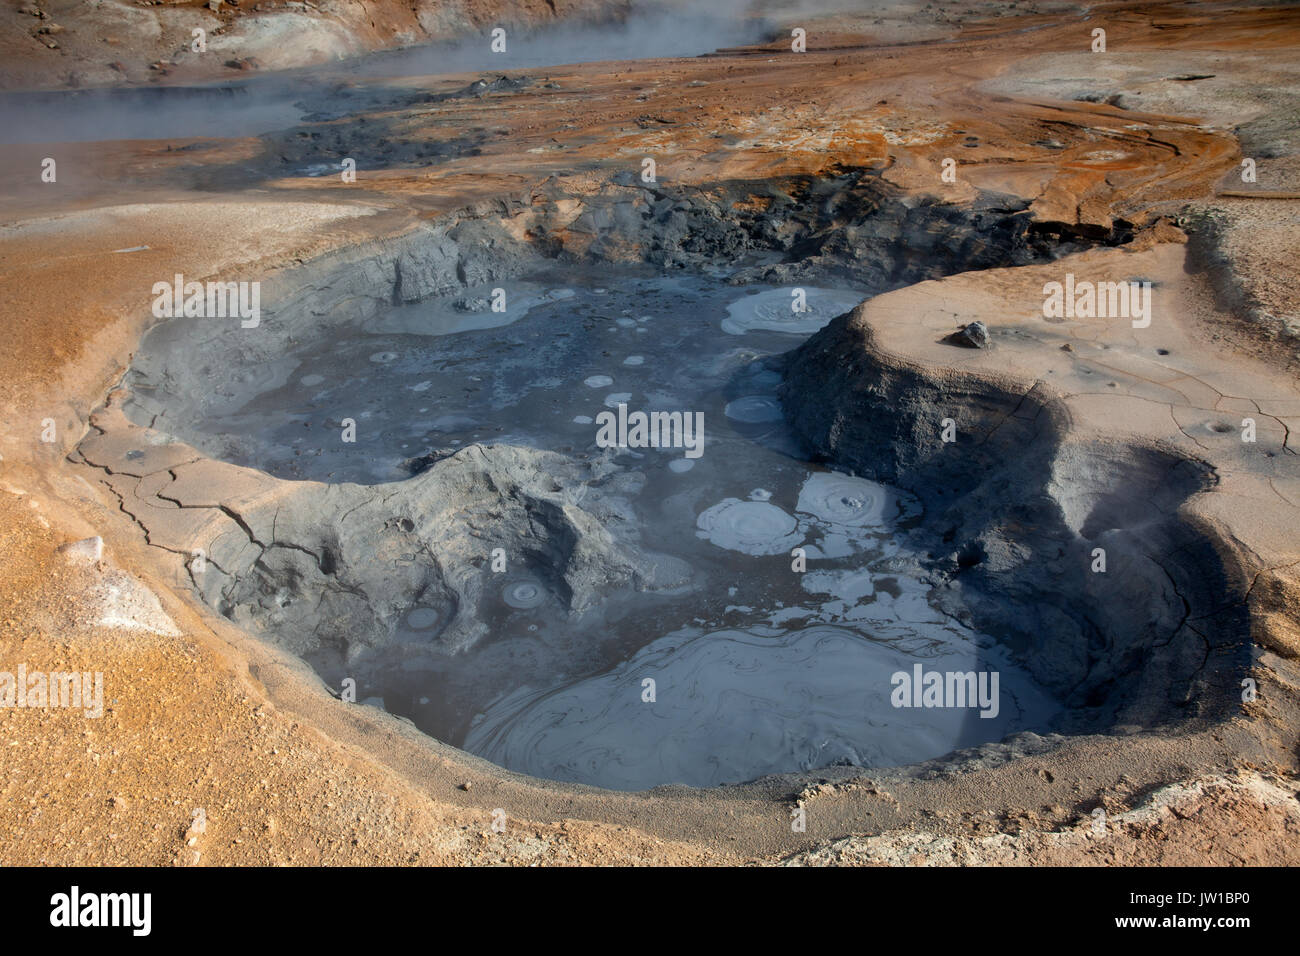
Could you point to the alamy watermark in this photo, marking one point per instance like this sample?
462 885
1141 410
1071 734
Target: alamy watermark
129 910
923 688
211 300
1098 300
651 430
67 689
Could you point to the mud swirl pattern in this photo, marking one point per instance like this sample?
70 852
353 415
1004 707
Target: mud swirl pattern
775 310
847 502
730 706
751 527
524 595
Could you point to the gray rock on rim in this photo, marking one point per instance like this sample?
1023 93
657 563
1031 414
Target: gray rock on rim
972 336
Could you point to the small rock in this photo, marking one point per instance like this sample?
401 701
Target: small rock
472 305
973 336
466 785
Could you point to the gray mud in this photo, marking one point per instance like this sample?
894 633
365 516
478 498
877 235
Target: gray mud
616 564
475 562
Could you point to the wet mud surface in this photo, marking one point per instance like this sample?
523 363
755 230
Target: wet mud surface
754 667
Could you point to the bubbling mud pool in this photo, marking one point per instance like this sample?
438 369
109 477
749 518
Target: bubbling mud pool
796 599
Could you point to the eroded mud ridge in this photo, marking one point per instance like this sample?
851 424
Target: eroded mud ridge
477 562
1016 512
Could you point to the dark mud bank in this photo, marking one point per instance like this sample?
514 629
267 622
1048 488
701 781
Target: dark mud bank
1016 508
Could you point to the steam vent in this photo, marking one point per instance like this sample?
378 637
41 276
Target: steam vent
665 433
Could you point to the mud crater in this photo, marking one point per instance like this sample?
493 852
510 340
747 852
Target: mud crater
478 564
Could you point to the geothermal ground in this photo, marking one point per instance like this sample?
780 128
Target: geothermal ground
969 333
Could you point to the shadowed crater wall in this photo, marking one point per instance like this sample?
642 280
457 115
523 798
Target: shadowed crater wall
1015 508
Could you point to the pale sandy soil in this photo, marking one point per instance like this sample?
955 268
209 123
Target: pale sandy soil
209 719
68 43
